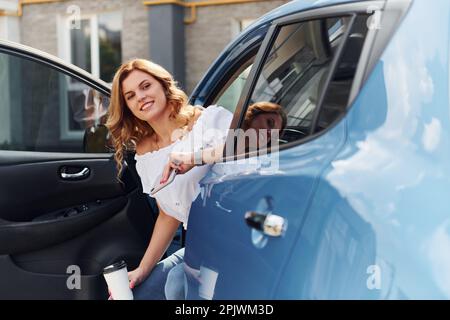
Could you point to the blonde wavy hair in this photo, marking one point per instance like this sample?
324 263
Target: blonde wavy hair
126 129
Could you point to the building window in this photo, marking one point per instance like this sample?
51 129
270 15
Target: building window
110 47
93 43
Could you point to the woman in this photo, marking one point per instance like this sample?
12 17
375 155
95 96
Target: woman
150 115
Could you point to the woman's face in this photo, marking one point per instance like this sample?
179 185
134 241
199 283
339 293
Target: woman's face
267 121
144 96
264 124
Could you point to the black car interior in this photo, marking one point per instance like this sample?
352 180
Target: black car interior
48 224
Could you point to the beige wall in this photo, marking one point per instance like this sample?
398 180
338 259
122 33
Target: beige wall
39 24
213 30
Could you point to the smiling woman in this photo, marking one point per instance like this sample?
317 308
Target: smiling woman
144 95
150 115
140 86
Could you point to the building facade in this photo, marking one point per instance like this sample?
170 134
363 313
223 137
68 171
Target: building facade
183 36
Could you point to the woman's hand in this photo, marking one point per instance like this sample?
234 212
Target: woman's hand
136 277
180 161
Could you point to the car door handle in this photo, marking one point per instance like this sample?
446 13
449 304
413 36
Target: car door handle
270 224
82 174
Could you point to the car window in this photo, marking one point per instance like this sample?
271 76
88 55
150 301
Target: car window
338 91
42 109
231 92
295 73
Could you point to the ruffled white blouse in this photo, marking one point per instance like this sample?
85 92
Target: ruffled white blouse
210 129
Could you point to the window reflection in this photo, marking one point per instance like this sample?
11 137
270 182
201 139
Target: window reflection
296 72
38 112
265 119
231 93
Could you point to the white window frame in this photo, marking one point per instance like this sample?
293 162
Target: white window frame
65 52
64 43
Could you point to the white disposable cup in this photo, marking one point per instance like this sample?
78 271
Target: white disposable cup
116 276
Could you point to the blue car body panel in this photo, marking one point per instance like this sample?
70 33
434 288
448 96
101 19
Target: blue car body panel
366 202
219 217
394 168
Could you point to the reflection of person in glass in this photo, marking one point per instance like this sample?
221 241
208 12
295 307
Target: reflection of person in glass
88 108
92 118
264 117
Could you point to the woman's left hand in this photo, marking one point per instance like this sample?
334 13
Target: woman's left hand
180 161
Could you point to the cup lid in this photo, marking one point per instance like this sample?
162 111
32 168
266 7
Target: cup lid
114 267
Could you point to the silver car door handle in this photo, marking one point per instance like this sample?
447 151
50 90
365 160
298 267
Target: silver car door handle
84 173
270 224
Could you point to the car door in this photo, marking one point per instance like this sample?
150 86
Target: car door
64 215
245 223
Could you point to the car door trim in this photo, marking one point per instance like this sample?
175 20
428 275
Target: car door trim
331 72
16 237
53 62
9 157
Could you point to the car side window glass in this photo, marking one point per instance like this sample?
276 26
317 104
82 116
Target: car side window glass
294 75
231 92
43 109
336 98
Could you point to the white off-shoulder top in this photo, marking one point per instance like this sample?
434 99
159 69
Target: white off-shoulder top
210 129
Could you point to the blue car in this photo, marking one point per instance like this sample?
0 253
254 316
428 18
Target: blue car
356 206
348 201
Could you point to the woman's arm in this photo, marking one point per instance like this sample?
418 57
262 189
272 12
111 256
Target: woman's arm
163 233
185 161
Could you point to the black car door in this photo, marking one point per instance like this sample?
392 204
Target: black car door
63 213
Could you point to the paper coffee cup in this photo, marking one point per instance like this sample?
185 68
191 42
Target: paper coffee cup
116 276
